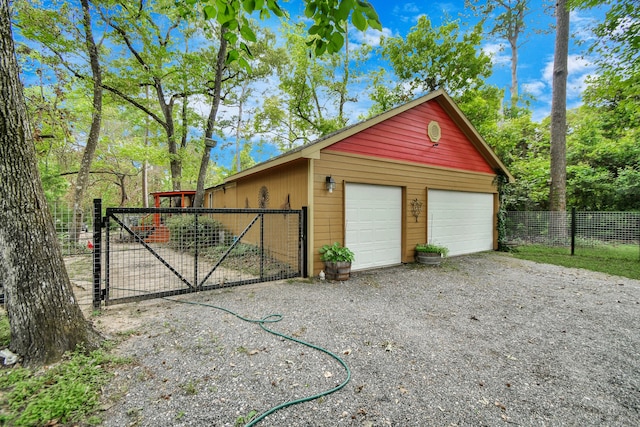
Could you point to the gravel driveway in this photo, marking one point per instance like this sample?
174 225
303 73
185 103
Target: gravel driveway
482 340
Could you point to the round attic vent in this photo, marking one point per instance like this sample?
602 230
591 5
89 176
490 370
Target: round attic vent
434 132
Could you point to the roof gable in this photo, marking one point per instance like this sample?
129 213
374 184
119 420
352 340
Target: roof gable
468 141
404 137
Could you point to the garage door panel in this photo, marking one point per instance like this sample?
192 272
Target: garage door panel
461 221
373 224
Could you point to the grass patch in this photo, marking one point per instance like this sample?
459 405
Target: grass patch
619 260
66 393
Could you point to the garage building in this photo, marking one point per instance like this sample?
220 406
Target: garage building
418 173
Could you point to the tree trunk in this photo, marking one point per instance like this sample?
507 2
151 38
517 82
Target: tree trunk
175 161
145 163
213 112
45 320
557 194
513 41
82 179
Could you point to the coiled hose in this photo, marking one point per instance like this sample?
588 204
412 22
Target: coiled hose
274 318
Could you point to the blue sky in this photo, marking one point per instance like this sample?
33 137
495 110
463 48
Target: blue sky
535 63
535 54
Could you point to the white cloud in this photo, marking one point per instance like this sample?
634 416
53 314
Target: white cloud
580 68
535 88
408 12
497 53
582 26
405 8
370 37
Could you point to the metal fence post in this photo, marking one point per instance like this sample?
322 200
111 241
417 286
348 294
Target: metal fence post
197 243
303 241
261 246
573 230
97 251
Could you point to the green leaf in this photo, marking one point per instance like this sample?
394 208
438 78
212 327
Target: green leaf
209 12
336 42
231 24
375 24
275 8
343 10
232 56
244 64
246 49
321 47
359 20
372 16
249 5
248 34
310 10
231 37
314 29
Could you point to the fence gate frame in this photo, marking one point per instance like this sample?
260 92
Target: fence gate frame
101 225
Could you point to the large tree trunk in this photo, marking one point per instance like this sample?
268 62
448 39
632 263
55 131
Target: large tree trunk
558 190
82 179
211 121
45 320
175 161
559 110
513 41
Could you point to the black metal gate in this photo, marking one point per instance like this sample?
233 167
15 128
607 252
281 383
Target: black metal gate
158 252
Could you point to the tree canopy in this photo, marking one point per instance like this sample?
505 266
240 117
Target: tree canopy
279 90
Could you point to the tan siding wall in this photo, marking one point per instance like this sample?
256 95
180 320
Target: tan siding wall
414 179
284 183
328 209
223 197
287 189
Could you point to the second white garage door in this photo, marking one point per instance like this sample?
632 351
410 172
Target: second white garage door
461 221
373 216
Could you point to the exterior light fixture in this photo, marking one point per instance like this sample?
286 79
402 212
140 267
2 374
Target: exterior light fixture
330 183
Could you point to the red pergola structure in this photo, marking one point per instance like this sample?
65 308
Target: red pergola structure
176 199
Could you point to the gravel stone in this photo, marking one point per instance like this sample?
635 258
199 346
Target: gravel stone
482 340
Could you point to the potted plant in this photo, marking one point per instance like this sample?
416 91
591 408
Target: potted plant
337 261
429 253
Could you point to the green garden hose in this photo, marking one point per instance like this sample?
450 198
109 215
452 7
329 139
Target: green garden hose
273 318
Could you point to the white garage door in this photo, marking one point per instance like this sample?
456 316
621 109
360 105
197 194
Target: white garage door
373 224
461 221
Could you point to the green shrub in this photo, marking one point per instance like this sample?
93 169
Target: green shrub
431 248
336 253
183 231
